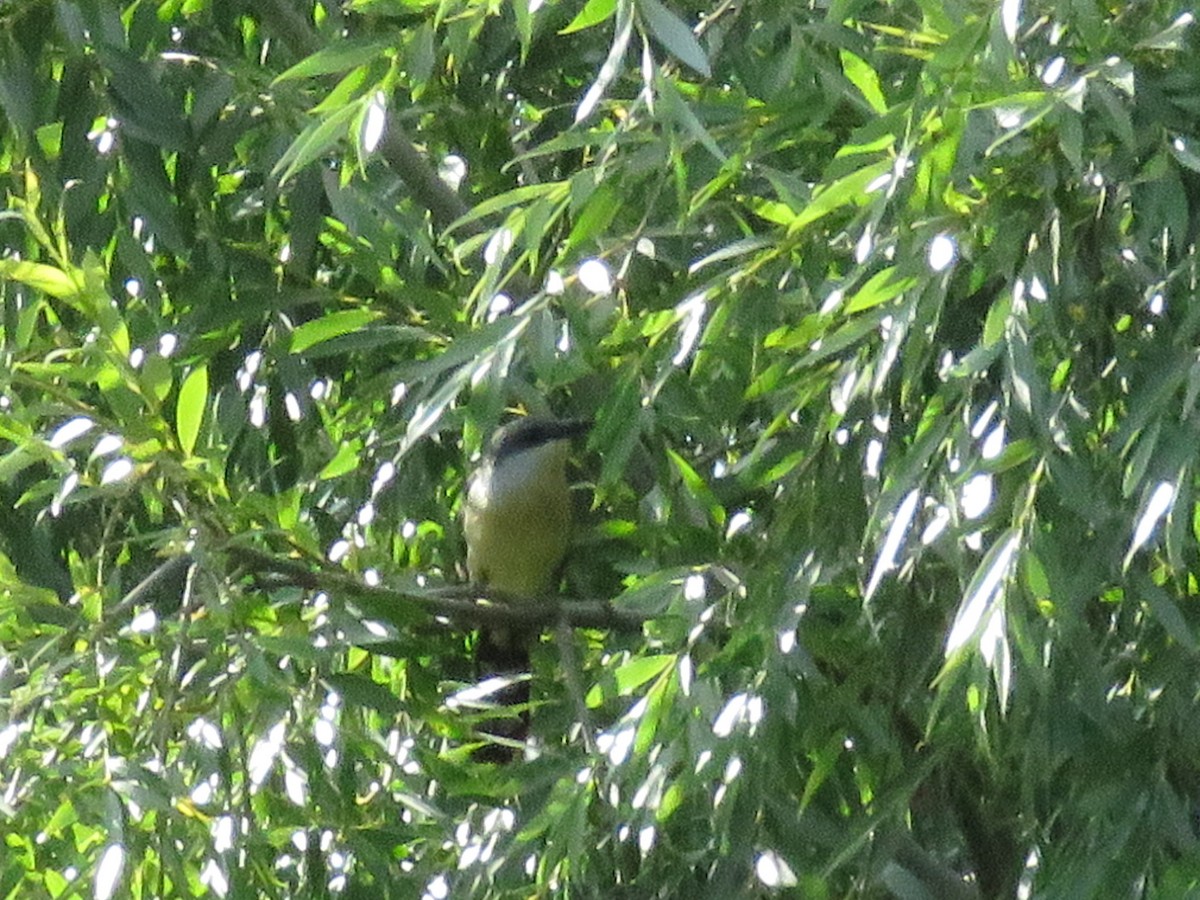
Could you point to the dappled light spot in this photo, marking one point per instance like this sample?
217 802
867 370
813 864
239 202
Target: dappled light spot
144 622
936 525
646 838
786 639
64 491
295 782
70 430
1157 506
324 732
695 588
105 138
741 708
291 404
879 183
691 312
9 734
264 753
116 471
500 304
864 245
498 246
993 444
452 170
383 477
617 745
872 457
684 672
942 253
555 284
831 303
374 123
203 793
976 496
595 277
437 889
733 768
257 410
773 871
204 733
987 590
1010 18
168 343
649 793
888 559
249 368
107 444
213 877
339 551
1053 70
108 872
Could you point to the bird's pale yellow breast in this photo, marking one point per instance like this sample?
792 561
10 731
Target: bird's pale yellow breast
518 532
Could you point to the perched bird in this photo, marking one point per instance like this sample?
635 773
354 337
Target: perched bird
517 523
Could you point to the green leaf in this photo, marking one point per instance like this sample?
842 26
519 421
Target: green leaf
316 140
347 459
343 55
880 288
596 216
593 13
330 326
674 34
190 408
41 277
863 77
360 691
850 190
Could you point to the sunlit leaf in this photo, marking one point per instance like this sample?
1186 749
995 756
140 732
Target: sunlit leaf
338 57
328 327
190 408
593 13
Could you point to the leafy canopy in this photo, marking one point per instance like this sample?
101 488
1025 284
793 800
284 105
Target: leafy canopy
886 318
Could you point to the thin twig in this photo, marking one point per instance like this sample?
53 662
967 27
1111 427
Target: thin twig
565 636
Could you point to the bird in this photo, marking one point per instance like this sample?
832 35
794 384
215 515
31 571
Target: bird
517 525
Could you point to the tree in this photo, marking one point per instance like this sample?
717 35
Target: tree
886 318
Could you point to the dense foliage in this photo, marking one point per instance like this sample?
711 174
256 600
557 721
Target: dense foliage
886 315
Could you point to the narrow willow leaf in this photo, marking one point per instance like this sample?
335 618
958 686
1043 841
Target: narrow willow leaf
41 277
880 288
612 64
189 410
336 324
848 191
317 139
674 34
863 77
339 57
593 13
985 591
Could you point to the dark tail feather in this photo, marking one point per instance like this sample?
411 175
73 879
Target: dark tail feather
500 654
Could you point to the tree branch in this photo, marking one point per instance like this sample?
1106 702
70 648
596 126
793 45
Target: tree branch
467 604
